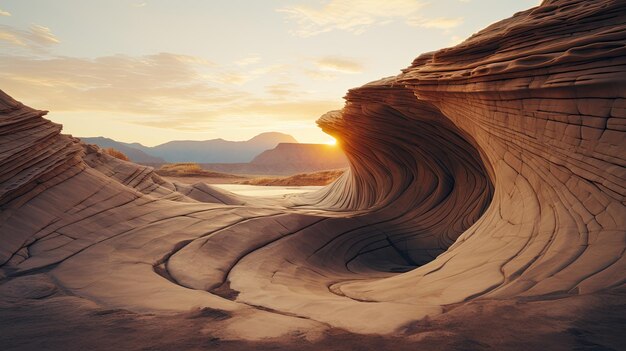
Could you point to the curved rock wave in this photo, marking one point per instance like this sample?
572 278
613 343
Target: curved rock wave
493 169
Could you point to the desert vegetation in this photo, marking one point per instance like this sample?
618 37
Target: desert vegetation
301 179
116 153
194 170
190 169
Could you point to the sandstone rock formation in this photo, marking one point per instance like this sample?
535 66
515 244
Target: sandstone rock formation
491 170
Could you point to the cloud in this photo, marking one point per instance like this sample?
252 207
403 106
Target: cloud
190 59
144 85
42 35
248 60
229 78
139 4
10 38
283 89
439 22
316 74
240 76
339 64
354 16
4 13
264 110
165 90
37 38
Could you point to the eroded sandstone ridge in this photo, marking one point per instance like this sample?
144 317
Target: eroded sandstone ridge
491 170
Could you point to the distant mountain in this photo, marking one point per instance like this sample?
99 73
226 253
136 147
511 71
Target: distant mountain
133 151
219 150
287 159
303 157
207 151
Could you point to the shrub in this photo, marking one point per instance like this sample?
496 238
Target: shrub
185 167
116 153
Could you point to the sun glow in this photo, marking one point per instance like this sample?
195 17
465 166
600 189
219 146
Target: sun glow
331 142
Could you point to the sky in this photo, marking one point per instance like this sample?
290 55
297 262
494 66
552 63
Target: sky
151 71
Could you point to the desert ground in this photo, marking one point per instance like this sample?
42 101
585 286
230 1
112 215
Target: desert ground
301 179
191 173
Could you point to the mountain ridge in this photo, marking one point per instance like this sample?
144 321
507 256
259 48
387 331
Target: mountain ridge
202 151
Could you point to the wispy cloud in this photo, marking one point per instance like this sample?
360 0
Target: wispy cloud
139 4
283 89
164 90
439 22
354 16
339 64
35 38
42 35
229 77
316 74
144 85
249 60
4 13
242 74
10 38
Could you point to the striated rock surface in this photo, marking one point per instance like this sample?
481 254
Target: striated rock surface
491 170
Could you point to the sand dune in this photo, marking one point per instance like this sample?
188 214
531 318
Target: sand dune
487 173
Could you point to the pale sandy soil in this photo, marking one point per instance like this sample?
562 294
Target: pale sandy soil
319 178
207 180
302 179
263 190
233 185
